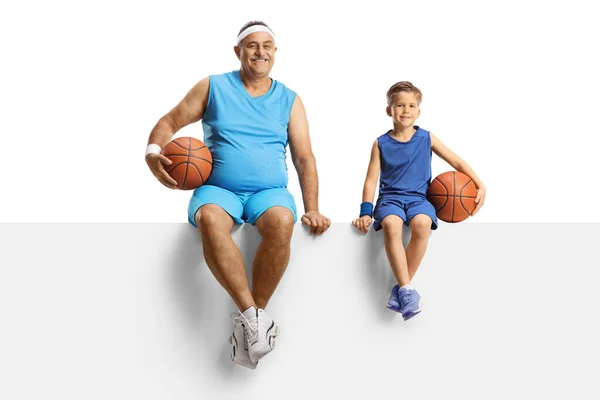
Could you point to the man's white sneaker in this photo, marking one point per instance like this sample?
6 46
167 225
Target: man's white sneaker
239 337
261 338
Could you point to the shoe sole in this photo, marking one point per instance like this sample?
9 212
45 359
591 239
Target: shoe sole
238 360
389 306
269 347
411 314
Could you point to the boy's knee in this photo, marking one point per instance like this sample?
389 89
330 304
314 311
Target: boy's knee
392 223
420 225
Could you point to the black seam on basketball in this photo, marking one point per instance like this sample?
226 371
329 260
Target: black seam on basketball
186 167
446 200
178 164
183 148
190 156
200 158
450 195
199 173
178 145
442 206
461 197
444 186
463 206
463 188
453 191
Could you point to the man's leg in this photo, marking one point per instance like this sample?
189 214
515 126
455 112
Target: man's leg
222 254
275 226
273 212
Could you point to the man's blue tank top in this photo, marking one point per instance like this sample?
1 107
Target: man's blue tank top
405 166
247 136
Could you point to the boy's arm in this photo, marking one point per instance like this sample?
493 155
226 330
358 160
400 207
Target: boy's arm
461 166
372 175
362 223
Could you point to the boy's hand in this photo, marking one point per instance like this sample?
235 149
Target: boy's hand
479 200
362 223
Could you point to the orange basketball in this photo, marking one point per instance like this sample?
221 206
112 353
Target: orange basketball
191 162
453 196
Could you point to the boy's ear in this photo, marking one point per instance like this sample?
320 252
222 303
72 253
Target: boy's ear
388 110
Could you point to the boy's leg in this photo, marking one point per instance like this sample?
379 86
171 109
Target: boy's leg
392 234
420 227
422 219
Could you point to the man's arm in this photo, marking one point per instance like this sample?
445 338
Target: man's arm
306 166
189 110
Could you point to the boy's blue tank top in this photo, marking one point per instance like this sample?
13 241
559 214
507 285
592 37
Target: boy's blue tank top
405 166
247 136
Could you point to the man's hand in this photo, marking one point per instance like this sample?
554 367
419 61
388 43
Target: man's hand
363 223
155 163
318 223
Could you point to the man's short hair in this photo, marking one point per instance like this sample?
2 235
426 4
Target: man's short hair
252 23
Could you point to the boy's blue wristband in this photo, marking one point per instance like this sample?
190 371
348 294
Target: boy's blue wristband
366 208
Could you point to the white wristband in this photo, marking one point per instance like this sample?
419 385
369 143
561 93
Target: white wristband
153 149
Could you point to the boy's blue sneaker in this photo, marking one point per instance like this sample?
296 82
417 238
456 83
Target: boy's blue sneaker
394 301
410 303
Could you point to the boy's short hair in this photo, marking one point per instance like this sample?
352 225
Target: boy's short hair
404 86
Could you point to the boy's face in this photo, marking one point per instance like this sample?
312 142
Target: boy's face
404 109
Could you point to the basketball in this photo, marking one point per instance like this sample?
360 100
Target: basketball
191 162
453 196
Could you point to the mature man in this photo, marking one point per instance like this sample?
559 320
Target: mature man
248 120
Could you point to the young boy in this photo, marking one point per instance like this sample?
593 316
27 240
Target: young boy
403 156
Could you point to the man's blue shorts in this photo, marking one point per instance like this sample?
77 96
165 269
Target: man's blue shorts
406 207
242 207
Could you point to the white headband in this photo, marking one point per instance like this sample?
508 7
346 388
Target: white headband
252 29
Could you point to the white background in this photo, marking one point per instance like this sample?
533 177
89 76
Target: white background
511 87
143 318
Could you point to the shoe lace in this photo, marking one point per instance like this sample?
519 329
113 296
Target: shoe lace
406 299
250 327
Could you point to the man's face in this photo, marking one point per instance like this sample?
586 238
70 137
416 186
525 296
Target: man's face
257 53
404 109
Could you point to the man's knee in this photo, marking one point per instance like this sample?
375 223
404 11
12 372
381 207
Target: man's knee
211 218
276 222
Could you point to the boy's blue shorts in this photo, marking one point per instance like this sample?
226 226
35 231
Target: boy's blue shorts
242 207
405 207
